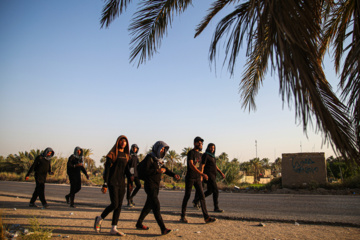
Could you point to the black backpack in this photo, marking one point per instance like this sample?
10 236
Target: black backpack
141 167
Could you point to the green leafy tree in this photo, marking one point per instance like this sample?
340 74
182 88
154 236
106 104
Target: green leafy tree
285 39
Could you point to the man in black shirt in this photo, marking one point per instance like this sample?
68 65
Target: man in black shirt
132 165
74 166
193 178
208 160
41 167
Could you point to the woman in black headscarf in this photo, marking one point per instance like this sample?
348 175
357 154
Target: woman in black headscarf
210 169
114 179
153 170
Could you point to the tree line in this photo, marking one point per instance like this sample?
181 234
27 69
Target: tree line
337 168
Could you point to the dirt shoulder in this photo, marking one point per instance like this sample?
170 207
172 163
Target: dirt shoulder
78 224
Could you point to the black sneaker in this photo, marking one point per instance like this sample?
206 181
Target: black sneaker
218 210
166 231
33 205
142 227
67 198
184 220
46 206
72 206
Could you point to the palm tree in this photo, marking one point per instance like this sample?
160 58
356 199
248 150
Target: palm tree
276 166
88 162
173 158
184 153
343 27
282 35
257 167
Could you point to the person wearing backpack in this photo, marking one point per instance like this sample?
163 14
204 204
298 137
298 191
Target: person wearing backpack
150 170
41 167
114 179
74 168
132 165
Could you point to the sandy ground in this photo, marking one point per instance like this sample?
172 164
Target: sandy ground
78 223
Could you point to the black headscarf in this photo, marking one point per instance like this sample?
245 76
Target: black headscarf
45 153
156 150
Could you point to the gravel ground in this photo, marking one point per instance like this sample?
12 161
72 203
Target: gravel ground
77 223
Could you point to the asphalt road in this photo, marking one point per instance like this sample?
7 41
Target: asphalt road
313 209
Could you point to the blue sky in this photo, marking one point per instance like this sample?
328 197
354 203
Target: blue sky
64 82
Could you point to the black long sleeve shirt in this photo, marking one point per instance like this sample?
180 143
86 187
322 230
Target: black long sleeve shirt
114 173
41 167
74 171
132 164
152 176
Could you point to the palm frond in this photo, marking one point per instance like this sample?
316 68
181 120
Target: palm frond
216 7
111 10
287 33
150 25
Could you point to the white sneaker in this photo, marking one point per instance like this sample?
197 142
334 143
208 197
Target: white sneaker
117 233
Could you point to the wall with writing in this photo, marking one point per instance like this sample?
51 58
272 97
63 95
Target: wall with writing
299 169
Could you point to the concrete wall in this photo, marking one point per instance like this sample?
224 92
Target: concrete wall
303 168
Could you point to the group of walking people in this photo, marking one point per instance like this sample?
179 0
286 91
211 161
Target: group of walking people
122 162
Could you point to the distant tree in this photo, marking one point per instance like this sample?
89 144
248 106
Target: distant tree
184 153
88 161
257 168
246 167
172 157
276 167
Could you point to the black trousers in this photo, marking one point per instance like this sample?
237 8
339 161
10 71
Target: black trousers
152 203
117 194
129 194
211 189
39 192
75 187
189 183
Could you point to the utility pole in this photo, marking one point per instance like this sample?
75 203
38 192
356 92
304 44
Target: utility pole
256 147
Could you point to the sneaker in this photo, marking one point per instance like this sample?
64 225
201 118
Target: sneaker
46 205
166 231
72 206
117 233
67 198
132 202
142 227
218 210
210 220
184 220
130 205
33 205
97 224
